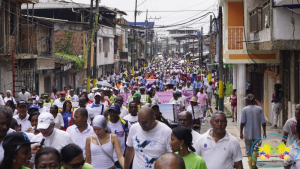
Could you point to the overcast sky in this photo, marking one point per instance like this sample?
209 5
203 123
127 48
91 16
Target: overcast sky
181 11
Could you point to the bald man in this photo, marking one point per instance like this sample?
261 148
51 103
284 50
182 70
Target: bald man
185 119
147 140
170 161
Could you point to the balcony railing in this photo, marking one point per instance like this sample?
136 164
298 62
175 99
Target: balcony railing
234 37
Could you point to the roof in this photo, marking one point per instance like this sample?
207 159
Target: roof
142 24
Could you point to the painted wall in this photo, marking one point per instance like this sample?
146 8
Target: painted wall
235 14
283 28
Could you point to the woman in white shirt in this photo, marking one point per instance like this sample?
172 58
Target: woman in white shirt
101 141
9 97
58 120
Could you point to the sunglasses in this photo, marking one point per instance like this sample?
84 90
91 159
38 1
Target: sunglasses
77 165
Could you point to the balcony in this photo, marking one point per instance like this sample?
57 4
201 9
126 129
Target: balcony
234 37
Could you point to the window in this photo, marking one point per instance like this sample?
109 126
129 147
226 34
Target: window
266 16
106 45
100 45
255 20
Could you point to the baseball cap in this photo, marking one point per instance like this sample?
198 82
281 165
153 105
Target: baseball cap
83 91
114 106
23 88
46 95
22 103
14 139
152 105
97 94
33 107
44 120
41 101
137 95
63 92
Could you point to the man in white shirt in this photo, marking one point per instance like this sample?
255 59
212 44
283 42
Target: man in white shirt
132 117
217 142
147 140
195 109
24 95
73 96
290 126
82 104
34 97
42 108
118 126
60 101
22 116
50 136
98 107
5 120
176 99
185 119
124 111
81 128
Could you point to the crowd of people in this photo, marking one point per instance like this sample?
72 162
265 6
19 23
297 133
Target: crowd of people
104 130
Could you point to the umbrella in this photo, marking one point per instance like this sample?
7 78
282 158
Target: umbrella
103 84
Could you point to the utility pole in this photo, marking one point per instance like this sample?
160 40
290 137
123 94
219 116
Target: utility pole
221 69
167 47
193 48
146 35
88 70
96 19
134 39
210 51
201 48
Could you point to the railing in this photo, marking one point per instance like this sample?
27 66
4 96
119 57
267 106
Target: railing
234 37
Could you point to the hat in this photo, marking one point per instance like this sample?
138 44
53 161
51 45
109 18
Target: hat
23 88
33 107
97 94
194 99
46 95
177 92
22 103
152 105
63 92
137 95
44 120
41 101
143 88
14 139
83 90
249 96
115 107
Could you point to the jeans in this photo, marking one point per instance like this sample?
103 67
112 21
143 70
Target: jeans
217 100
276 108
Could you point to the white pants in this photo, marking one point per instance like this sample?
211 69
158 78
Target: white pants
276 108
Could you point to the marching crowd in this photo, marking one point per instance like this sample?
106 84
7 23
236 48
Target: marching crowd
104 130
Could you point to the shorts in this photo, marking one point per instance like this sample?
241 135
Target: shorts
233 109
203 110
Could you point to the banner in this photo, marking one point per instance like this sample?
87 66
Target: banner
164 97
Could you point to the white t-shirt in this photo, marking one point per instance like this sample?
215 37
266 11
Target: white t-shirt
131 119
58 103
35 98
117 129
1 148
91 96
25 123
97 108
210 88
78 137
10 98
227 150
205 80
105 103
74 98
59 122
91 114
197 111
124 112
148 145
290 127
44 109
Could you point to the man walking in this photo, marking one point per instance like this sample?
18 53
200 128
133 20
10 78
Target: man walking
196 86
24 95
252 118
185 119
276 104
219 143
147 141
290 126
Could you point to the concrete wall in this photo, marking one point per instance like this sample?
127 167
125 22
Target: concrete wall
283 28
6 77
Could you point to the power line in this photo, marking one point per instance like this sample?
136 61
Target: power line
176 10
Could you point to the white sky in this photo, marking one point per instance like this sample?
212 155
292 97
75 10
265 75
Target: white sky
167 18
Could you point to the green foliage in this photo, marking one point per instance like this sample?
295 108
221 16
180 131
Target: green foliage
229 88
64 48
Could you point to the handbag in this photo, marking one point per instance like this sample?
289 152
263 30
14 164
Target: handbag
110 157
196 122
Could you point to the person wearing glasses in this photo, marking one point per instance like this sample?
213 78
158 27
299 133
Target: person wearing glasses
119 127
72 158
147 140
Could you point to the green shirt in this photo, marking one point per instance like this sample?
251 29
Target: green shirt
193 161
23 167
85 166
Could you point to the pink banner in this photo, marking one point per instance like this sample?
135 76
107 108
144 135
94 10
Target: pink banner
164 97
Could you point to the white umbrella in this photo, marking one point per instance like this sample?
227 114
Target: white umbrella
104 84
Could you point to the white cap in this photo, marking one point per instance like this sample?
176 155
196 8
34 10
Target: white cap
44 120
97 94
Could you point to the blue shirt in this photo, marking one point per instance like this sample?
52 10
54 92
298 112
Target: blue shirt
195 85
192 79
173 81
67 118
131 82
144 81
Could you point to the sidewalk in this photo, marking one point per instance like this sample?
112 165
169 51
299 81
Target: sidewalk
234 130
